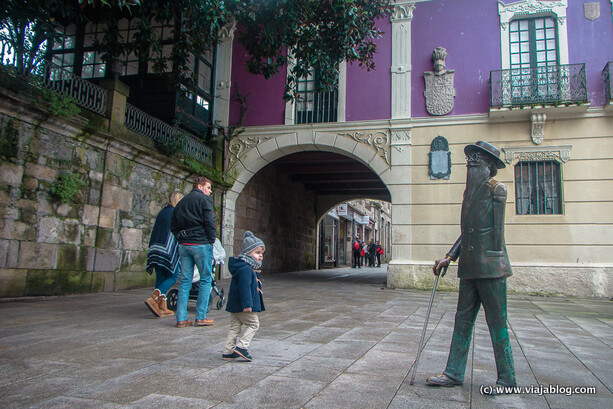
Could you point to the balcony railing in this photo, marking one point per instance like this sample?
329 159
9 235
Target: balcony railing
552 85
607 73
161 132
316 107
44 74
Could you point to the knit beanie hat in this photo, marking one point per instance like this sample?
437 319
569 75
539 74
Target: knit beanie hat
250 243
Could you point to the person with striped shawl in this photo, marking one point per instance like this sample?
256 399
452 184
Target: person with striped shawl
163 257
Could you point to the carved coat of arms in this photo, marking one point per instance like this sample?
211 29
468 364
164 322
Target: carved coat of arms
439 92
591 11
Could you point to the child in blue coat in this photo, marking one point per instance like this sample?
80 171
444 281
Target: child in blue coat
244 298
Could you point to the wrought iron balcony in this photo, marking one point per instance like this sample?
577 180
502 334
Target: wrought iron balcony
553 85
159 131
44 74
607 73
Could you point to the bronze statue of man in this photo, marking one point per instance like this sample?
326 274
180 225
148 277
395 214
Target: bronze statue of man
483 267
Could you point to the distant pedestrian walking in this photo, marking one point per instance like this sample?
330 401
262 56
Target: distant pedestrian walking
245 298
363 257
356 248
379 251
163 257
372 252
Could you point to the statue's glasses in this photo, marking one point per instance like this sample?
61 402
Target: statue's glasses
473 157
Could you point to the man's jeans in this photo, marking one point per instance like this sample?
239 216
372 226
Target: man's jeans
202 256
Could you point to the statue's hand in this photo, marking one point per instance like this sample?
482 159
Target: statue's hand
440 265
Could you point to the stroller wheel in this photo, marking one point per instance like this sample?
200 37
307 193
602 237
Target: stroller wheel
171 299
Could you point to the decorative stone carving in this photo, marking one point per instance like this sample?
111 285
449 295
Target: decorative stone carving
400 139
379 140
532 6
403 11
540 153
591 11
239 146
228 30
440 159
538 128
439 91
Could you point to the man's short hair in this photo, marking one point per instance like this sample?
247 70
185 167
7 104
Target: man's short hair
201 180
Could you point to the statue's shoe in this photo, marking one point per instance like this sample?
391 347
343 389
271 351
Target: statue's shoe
442 380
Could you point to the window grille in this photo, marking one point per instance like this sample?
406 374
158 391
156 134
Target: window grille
537 188
315 106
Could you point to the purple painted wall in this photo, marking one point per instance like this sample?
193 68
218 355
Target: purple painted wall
369 93
591 42
264 97
469 30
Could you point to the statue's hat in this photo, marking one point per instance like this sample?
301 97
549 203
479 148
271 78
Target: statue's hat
489 149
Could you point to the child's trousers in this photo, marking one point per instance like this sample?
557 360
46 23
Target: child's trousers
237 321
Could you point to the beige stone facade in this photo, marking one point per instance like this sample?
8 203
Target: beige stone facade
567 254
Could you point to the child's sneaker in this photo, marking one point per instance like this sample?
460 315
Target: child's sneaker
243 354
229 357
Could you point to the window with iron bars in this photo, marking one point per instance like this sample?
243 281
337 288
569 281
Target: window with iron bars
315 106
537 187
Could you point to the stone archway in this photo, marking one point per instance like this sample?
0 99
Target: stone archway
256 148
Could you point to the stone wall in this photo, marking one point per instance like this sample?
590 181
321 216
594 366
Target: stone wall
282 213
99 241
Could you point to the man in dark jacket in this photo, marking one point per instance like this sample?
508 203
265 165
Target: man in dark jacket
193 224
372 253
483 268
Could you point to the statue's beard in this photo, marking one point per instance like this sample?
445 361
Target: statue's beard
476 175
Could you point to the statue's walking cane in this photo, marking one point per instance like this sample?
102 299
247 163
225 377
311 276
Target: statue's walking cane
423 334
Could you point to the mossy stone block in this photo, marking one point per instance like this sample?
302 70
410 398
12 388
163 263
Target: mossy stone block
136 262
98 278
12 282
42 282
125 280
74 282
71 258
105 238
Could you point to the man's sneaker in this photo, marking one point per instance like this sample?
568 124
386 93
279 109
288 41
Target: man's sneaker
229 357
243 354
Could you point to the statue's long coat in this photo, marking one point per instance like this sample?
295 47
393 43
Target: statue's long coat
481 249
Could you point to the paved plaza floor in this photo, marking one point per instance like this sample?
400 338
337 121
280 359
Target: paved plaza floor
334 338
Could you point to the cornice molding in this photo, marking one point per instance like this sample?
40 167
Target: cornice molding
537 153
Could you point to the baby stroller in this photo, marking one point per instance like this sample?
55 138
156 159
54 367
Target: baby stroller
219 257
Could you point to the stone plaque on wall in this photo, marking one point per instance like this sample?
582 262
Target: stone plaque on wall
440 159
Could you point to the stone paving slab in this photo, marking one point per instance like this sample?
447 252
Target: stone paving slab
333 338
